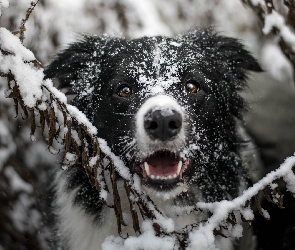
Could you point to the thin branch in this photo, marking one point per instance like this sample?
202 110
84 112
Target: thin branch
55 113
22 27
80 140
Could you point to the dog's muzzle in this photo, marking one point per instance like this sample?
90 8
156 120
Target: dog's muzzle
160 137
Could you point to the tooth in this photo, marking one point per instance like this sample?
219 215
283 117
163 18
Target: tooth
174 176
170 177
158 177
152 176
147 168
179 167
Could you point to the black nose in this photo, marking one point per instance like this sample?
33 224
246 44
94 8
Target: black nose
162 124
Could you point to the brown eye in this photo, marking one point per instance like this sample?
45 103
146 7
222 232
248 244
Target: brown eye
124 91
191 87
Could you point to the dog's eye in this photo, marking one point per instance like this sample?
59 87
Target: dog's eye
124 91
191 87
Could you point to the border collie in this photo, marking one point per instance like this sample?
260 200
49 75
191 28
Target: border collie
168 107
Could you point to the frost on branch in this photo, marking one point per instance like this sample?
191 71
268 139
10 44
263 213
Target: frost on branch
278 19
69 127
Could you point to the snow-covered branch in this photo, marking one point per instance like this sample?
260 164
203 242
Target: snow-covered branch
69 127
202 237
278 23
39 97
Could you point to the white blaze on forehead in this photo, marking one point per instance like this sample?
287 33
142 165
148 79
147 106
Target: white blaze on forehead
164 72
164 52
152 87
157 60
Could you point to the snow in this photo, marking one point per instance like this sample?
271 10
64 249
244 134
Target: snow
119 164
146 241
12 44
290 181
81 118
276 20
257 2
202 238
113 243
24 72
58 94
33 138
4 4
273 185
265 214
53 151
70 158
137 183
174 211
93 161
247 214
151 22
275 62
237 231
280 68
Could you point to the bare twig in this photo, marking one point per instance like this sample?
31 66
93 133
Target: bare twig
22 27
81 142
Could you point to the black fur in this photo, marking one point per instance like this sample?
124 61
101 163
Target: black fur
95 67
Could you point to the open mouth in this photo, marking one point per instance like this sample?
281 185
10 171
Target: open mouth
162 170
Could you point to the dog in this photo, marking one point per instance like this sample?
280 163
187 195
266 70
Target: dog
169 108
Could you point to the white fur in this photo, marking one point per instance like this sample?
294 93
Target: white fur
80 232
182 187
145 145
156 62
76 228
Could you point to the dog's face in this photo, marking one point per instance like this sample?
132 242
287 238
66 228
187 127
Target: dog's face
166 106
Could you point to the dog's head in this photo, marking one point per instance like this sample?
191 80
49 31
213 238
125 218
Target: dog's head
166 106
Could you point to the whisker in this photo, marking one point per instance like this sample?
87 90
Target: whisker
124 114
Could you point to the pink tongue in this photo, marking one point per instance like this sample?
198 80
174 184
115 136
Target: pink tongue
163 164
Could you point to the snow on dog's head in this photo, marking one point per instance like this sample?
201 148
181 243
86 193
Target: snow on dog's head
166 106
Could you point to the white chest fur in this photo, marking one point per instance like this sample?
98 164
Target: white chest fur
79 231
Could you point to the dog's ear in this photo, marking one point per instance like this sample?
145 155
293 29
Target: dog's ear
77 68
236 61
228 51
235 55
226 62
